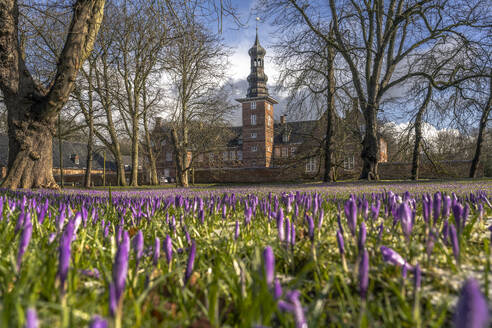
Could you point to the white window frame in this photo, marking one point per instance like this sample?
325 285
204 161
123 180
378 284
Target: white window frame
254 149
349 163
311 165
253 105
253 135
240 155
232 155
253 119
169 156
285 138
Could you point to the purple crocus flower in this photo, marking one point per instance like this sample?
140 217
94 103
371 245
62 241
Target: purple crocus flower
293 298
392 257
341 244
364 274
113 300
31 319
236 230
351 214
446 208
138 245
472 309
293 233
269 264
169 249
157 251
24 239
64 253
120 266
310 224
191 261
277 289
361 241
280 225
98 322
405 215
437 206
454 242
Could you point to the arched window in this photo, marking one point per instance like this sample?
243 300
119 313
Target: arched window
259 62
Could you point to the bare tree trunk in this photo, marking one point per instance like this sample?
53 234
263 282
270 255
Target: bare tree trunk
370 145
330 115
134 174
32 110
153 167
483 124
418 135
88 165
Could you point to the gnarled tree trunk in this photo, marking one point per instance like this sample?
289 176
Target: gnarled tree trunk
32 109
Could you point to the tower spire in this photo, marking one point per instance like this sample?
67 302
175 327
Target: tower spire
257 78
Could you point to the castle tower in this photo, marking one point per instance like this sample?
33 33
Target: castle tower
257 113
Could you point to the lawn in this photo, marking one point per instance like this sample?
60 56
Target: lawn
392 254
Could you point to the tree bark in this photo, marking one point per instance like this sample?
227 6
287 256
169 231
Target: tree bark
483 124
370 145
330 114
153 167
32 110
418 135
88 164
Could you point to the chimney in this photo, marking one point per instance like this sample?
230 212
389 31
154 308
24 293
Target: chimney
158 121
282 119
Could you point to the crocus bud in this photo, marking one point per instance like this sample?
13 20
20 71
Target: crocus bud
120 266
157 251
364 274
277 289
310 224
341 245
191 262
236 230
405 215
64 253
471 310
269 264
351 214
24 240
169 249
138 244
437 206
293 298
31 319
361 241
